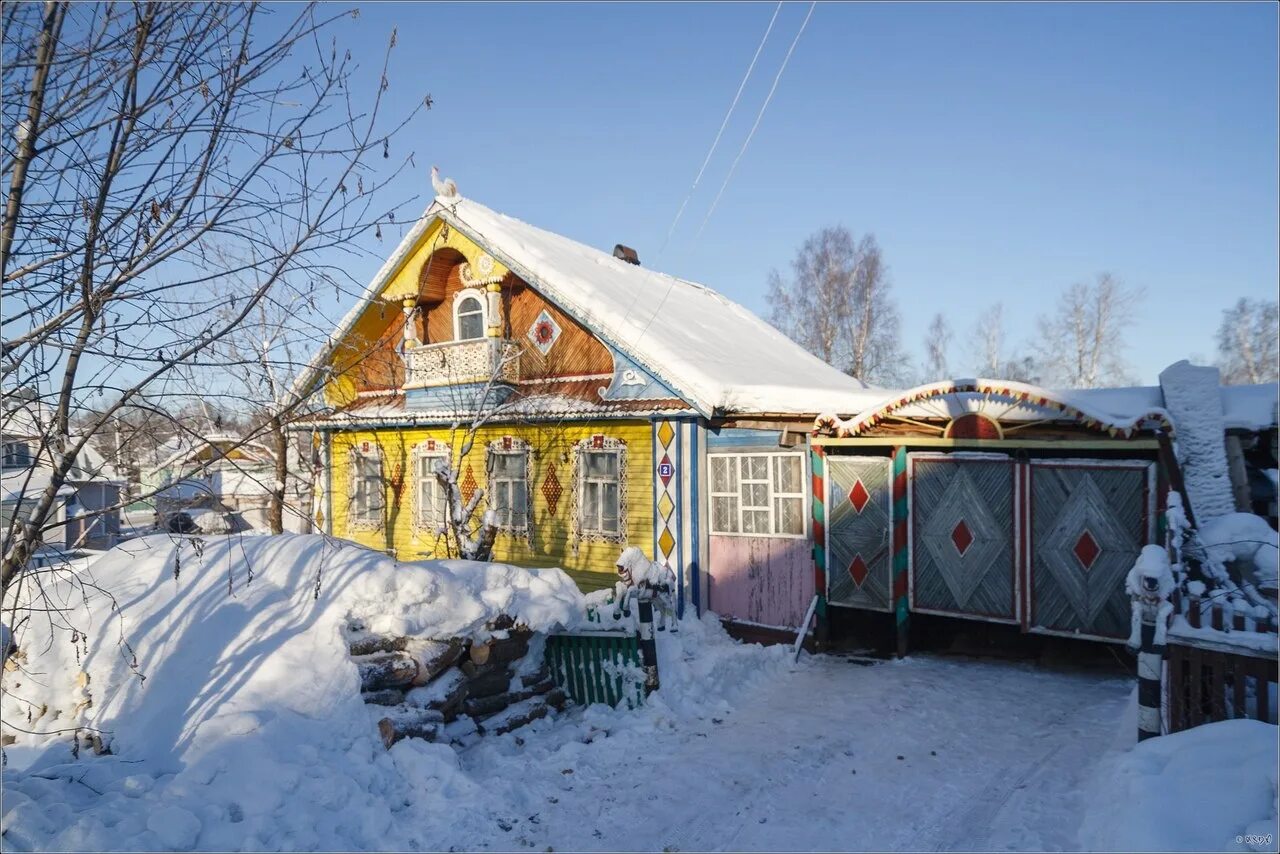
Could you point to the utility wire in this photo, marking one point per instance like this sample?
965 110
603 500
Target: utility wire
759 116
720 133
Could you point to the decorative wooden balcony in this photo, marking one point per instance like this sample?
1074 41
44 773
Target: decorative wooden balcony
462 362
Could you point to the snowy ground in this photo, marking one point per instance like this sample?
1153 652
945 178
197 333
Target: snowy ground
923 754
249 734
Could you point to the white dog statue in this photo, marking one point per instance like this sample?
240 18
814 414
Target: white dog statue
645 579
1149 585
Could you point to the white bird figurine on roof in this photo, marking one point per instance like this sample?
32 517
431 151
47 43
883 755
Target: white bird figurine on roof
447 188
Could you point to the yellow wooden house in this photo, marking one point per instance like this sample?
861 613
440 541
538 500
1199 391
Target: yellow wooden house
575 391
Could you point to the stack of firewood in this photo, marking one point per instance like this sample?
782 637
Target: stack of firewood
449 690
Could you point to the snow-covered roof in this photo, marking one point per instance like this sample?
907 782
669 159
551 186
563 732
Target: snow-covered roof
28 484
711 350
1250 407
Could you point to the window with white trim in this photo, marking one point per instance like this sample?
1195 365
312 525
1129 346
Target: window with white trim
509 488
757 495
468 318
599 508
366 493
17 454
431 501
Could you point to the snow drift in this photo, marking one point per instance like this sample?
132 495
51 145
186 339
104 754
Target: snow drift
222 682
1211 788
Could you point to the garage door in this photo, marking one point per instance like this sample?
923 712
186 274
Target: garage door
858 532
963 559
1088 523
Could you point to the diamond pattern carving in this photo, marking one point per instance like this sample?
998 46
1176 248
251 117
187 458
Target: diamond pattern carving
858 570
468 485
666 505
858 495
551 489
1086 550
961 537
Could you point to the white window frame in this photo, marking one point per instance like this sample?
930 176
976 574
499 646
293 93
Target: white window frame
461 297
17 454
439 504
595 527
738 459
518 448
361 514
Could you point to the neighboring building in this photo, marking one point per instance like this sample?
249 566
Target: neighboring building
87 513
222 474
622 406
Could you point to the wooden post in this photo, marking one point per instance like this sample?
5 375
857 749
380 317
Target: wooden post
648 648
818 467
1150 665
901 607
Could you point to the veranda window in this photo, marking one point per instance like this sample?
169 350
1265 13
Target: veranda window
431 499
599 508
469 319
758 495
509 488
366 490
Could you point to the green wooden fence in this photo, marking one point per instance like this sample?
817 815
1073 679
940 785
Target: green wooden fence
597 667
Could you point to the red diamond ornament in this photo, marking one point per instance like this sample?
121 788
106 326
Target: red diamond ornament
961 538
1086 550
858 570
858 496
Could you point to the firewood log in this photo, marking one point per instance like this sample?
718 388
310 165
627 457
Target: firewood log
377 643
437 657
483 707
385 697
490 681
535 711
387 670
392 729
528 680
501 651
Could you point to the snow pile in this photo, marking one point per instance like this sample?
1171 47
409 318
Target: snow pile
249 731
1244 537
1193 397
1210 788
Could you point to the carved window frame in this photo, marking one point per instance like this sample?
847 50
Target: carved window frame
372 516
461 297
580 531
511 446
429 449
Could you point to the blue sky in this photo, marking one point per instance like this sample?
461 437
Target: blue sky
998 152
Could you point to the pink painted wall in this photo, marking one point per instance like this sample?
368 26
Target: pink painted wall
766 580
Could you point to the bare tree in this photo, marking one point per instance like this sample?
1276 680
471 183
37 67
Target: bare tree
992 356
837 305
1247 342
937 340
160 148
1083 341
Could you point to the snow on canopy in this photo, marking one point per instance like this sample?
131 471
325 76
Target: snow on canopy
711 350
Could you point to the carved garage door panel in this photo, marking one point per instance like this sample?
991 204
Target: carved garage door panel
1088 524
963 537
858 532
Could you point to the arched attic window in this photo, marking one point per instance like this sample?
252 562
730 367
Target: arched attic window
468 316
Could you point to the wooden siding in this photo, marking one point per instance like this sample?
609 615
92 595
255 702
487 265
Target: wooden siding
764 580
368 357
549 542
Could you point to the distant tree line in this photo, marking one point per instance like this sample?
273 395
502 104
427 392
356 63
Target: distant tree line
838 304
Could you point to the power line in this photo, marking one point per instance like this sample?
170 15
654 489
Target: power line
759 116
720 133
